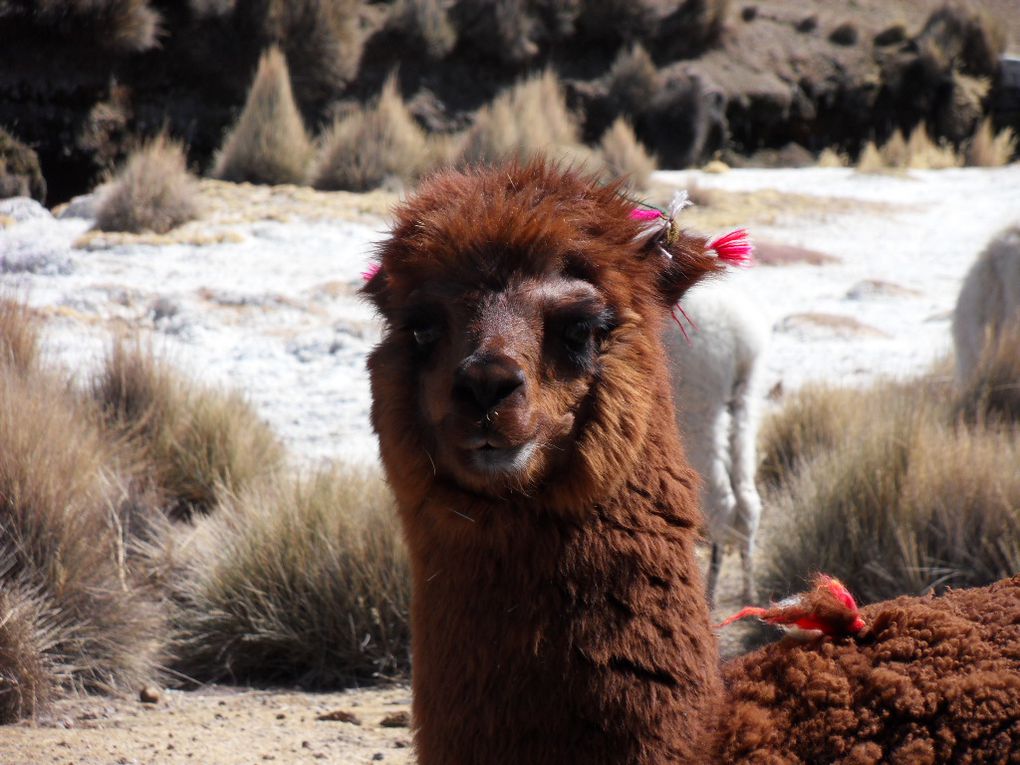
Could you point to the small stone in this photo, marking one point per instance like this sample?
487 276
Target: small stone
149 695
281 716
377 756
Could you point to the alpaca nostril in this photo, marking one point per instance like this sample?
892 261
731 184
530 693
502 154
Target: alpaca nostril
487 383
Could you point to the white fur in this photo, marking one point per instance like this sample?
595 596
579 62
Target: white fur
989 298
714 389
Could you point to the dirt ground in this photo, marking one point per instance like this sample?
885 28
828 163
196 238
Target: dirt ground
223 725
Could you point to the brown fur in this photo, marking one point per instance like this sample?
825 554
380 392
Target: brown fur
558 615
931 680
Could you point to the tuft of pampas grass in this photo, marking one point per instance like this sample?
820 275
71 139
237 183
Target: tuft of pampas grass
304 582
199 444
268 144
369 146
624 156
153 191
528 119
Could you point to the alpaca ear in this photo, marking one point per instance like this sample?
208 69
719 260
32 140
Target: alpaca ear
682 263
377 288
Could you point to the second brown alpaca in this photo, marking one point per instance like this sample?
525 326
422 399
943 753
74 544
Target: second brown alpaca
522 404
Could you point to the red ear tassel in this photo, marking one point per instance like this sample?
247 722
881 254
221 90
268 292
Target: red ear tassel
735 248
371 271
827 609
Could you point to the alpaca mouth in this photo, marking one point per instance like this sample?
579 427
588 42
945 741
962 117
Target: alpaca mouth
496 459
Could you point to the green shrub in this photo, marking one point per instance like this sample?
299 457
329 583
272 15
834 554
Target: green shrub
304 583
152 192
528 119
624 157
268 144
366 147
199 444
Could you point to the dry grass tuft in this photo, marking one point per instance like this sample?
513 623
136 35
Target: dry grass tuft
990 149
925 154
833 158
268 144
367 148
120 25
624 157
426 24
883 489
969 38
917 152
199 443
27 676
71 515
529 119
305 583
633 79
993 392
153 192
322 40
19 337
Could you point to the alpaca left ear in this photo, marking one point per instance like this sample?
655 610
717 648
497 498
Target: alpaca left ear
682 263
376 288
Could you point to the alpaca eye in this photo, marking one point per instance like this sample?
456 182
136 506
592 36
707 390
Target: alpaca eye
425 335
577 333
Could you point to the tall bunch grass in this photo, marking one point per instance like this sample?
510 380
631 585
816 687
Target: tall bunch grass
885 489
19 337
990 149
80 616
305 583
153 191
992 394
624 156
369 146
268 144
199 443
528 119
122 25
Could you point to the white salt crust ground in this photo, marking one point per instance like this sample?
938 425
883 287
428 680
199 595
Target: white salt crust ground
269 306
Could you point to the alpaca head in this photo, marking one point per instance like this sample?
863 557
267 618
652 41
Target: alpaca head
522 308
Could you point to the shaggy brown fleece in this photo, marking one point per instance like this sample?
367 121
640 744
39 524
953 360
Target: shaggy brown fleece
930 680
559 616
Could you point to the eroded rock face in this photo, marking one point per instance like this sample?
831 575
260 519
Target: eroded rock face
80 89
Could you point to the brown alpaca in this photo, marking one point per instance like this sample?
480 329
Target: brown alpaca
525 421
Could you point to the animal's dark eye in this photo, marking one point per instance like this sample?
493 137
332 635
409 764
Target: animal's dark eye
576 334
425 334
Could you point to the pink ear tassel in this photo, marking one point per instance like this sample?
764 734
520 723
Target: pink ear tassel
735 248
644 215
369 273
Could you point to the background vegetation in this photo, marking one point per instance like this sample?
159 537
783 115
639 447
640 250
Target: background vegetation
239 82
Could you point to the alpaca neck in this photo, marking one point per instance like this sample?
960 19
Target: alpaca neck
542 641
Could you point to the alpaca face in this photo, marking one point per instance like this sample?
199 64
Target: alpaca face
521 350
502 374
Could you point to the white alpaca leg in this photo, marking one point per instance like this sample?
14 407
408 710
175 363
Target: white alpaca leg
743 430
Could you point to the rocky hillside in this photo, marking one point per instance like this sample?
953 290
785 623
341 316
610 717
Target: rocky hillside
81 82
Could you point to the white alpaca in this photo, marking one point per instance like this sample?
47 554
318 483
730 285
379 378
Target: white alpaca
989 299
714 389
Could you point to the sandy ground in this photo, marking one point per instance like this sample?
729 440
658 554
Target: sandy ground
261 295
